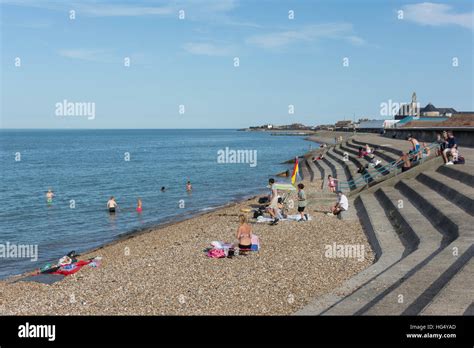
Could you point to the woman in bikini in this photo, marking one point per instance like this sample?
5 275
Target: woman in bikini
244 233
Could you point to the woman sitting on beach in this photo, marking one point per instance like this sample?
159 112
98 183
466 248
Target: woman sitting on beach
244 233
111 205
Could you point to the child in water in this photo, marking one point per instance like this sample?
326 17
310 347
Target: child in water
49 196
332 183
189 187
139 205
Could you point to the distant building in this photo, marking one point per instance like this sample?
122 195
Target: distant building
376 125
419 120
414 110
344 125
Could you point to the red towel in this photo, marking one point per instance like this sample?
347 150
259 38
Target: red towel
72 268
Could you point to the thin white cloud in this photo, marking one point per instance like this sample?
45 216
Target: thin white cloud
207 49
339 31
197 9
82 54
428 13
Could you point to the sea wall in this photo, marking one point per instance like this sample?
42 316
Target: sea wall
464 136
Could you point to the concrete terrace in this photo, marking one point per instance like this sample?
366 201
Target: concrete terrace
419 224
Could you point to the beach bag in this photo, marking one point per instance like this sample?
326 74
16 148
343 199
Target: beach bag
257 213
263 200
255 243
460 160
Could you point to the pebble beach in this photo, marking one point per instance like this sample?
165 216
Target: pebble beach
165 270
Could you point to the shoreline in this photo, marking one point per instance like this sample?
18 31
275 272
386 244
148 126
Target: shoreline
168 273
156 226
140 231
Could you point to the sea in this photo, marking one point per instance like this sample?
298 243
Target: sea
85 167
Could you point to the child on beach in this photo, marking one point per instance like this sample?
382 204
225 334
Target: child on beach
332 183
139 205
189 187
111 205
302 202
49 196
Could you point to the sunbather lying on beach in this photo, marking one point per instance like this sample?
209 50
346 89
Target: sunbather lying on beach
244 233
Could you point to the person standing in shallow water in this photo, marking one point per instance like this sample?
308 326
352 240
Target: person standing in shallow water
49 196
189 187
112 205
139 205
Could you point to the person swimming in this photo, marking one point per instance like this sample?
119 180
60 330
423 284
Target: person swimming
139 205
163 189
189 187
49 196
112 205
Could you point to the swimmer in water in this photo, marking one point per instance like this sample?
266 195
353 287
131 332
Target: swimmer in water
111 205
49 196
189 187
139 205
163 189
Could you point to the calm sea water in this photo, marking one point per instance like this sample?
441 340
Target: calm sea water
88 166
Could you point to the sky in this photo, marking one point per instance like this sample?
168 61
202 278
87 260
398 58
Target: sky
228 63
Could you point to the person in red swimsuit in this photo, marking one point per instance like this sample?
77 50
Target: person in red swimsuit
139 205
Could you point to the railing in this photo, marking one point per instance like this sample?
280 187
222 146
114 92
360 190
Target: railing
370 176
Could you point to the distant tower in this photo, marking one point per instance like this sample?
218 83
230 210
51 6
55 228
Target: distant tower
414 110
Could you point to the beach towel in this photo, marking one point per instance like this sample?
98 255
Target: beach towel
71 268
216 253
295 217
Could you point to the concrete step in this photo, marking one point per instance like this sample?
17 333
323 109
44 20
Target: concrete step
347 166
385 158
317 174
457 296
325 171
307 170
394 152
420 239
443 214
384 242
337 172
453 190
415 292
463 173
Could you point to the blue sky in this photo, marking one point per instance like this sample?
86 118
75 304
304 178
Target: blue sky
190 61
